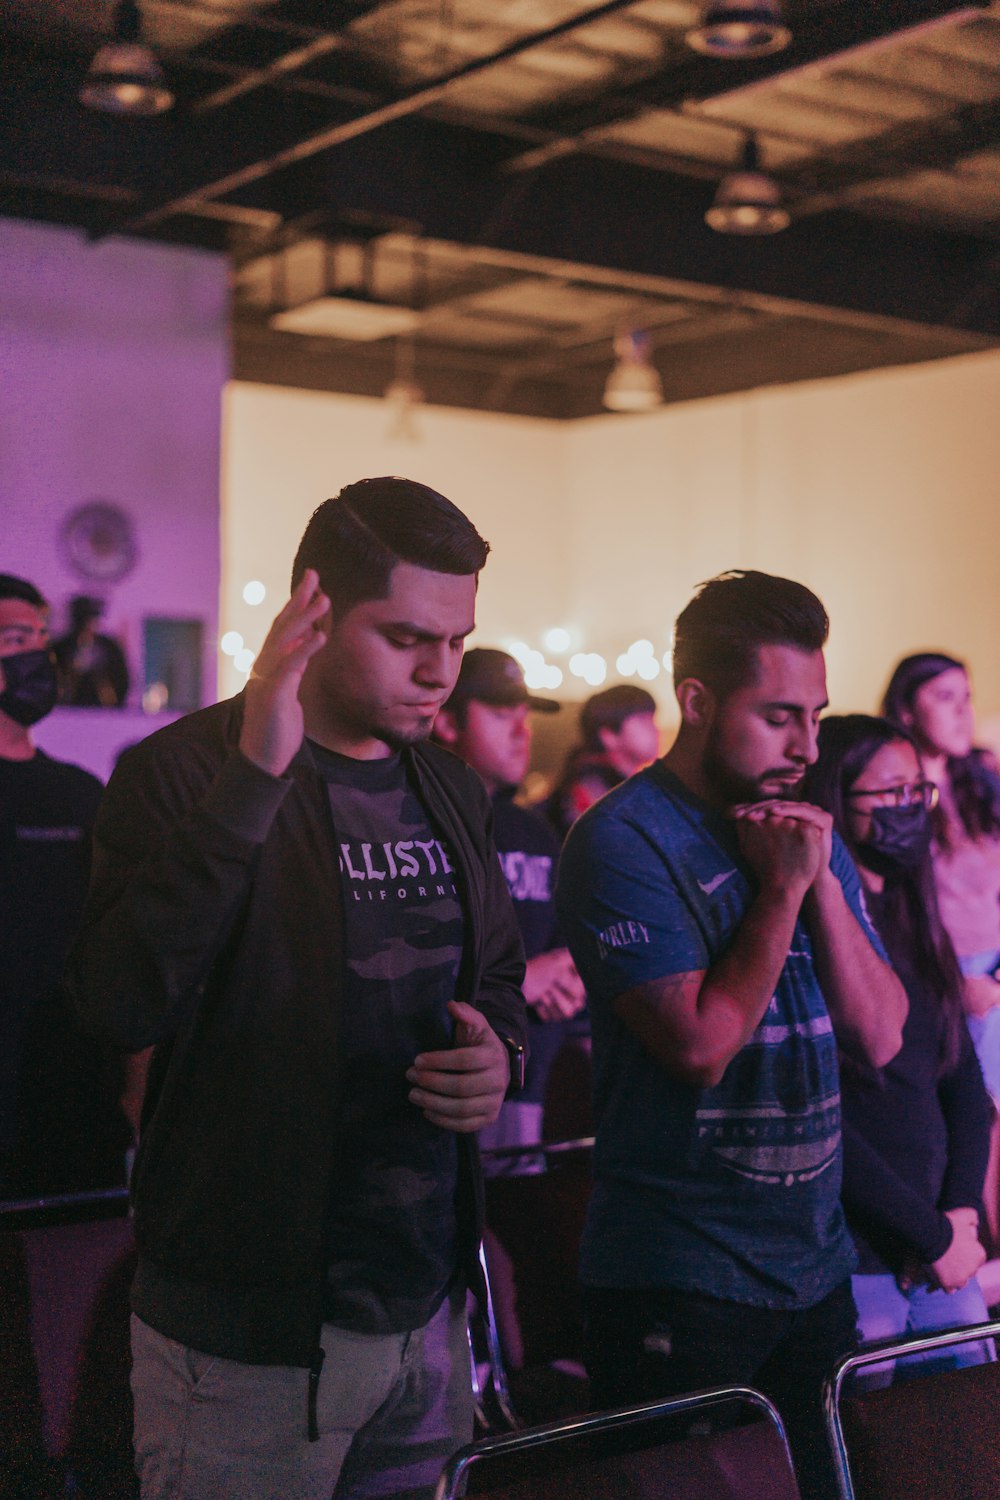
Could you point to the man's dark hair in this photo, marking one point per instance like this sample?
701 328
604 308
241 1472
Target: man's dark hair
718 635
12 587
610 709
356 539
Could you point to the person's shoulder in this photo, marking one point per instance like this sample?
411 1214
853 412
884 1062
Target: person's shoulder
68 774
217 725
528 824
621 820
198 741
841 862
631 802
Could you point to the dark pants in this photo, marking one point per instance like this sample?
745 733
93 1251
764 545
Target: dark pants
657 1342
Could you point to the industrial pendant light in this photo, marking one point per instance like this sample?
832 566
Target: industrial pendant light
125 78
403 395
739 29
748 201
634 383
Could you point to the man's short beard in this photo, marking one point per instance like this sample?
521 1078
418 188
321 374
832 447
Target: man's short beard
402 739
732 789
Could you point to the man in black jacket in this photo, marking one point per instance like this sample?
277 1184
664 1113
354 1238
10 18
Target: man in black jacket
299 903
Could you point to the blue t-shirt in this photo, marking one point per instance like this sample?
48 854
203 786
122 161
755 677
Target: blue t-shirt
733 1191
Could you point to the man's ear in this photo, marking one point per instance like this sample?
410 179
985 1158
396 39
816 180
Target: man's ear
697 703
446 728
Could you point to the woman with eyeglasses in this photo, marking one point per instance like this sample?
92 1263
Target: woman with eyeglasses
916 1132
929 696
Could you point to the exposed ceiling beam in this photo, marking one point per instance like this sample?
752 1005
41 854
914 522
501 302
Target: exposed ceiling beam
339 133
823 35
607 214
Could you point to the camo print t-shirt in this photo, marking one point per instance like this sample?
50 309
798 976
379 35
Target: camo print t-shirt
733 1191
392 1240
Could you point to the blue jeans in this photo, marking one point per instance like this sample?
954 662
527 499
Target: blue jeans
885 1312
985 1029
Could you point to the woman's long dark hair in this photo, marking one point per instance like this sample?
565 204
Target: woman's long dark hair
974 787
909 922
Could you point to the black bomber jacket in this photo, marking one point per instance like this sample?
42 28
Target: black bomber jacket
214 930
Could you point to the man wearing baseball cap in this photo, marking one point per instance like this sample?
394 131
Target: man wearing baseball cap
487 722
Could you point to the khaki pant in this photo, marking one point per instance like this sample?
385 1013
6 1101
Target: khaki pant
391 1410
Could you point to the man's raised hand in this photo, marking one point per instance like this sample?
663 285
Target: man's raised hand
273 725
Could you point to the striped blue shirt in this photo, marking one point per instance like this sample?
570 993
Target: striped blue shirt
733 1191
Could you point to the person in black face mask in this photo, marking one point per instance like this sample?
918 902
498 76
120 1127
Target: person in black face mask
60 1129
916 1132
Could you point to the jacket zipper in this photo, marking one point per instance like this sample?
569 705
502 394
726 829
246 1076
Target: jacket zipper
315 1370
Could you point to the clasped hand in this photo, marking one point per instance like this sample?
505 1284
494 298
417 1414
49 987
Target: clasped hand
964 1255
786 844
552 986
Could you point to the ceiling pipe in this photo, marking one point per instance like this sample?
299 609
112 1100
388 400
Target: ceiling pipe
409 103
282 67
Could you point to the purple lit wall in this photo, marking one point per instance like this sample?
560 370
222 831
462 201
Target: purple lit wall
113 358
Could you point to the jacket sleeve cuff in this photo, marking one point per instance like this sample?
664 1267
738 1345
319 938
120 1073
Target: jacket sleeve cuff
932 1246
244 799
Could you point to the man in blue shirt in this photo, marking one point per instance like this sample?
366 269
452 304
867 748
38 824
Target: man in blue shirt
720 932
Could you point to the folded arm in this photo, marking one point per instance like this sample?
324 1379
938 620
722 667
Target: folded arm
694 1024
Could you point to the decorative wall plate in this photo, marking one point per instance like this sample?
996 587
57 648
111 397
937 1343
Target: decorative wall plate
98 542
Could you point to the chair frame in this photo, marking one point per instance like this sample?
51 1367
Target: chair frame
491 1398
451 1485
878 1353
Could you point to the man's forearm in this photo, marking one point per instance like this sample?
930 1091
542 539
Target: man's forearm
695 1024
866 1000
738 988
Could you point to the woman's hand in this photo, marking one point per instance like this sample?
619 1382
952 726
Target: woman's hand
980 993
964 1255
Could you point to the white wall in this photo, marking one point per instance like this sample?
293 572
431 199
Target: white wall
878 490
113 360
286 451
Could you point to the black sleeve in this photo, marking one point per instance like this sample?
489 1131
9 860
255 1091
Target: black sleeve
175 845
968 1115
874 1195
500 998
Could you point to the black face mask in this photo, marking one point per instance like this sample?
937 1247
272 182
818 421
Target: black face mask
899 839
31 687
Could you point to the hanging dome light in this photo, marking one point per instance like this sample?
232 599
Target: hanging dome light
124 77
740 28
634 383
403 395
748 201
